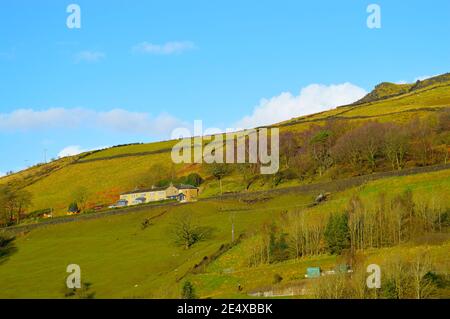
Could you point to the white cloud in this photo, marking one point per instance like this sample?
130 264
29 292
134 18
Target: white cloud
164 49
419 78
89 56
71 150
311 99
136 122
2 174
424 77
115 120
29 119
76 149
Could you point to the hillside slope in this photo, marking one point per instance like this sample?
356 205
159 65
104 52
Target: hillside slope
120 259
121 168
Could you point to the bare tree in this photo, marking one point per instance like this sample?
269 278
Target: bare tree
187 233
13 203
421 266
320 146
219 171
395 144
288 146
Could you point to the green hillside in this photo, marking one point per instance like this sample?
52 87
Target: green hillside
120 168
381 169
122 260
386 89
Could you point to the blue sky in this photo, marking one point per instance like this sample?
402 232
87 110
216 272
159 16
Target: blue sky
137 69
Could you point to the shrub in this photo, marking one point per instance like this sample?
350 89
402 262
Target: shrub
277 278
188 291
73 208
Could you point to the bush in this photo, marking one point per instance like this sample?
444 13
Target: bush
82 293
277 278
188 291
73 208
194 179
7 246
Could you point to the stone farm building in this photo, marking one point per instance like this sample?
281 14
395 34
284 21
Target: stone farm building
182 193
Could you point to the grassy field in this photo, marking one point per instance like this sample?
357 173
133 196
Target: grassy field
121 260
119 169
130 149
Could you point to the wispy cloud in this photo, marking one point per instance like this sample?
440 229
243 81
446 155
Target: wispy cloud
2 174
118 120
89 56
311 99
424 77
164 49
72 150
418 78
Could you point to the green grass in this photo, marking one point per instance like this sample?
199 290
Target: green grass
123 261
53 185
114 253
131 149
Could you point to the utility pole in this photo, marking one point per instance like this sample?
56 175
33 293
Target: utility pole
232 232
232 219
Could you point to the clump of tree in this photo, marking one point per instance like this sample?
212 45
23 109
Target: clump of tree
186 232
349 147
274 243
361 146
382 222
193 179
337 234
320 144
80 198
413 279
403 277
13 204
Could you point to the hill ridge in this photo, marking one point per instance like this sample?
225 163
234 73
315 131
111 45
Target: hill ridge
386 90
